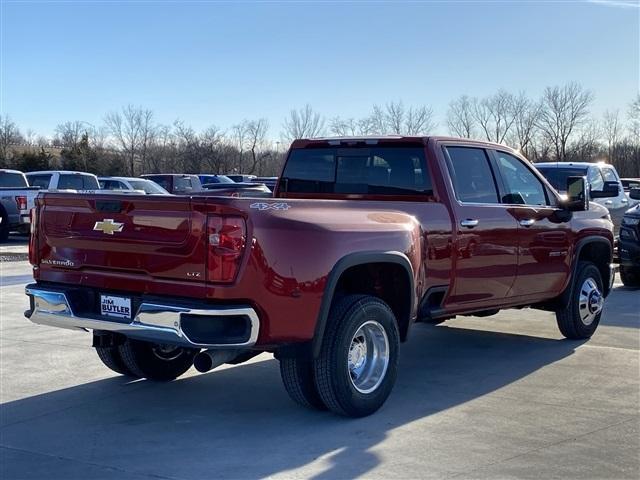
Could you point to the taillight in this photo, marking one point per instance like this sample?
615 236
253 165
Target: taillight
21 202
33 242
226 237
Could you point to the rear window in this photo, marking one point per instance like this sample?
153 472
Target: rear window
73 181
378 170
12 180
41 181
557 177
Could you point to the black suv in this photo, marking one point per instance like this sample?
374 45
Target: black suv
629 244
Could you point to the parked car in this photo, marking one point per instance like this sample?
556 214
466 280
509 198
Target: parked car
209 179
125 184
363 238
241 178
63 180
16 201
604 182
256 190
176 183
629 244
270 182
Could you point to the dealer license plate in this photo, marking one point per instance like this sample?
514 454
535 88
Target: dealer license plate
118 307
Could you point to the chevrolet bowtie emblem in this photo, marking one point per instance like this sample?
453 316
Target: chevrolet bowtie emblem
108 226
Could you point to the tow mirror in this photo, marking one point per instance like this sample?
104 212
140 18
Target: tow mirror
609 189
577 194
635 193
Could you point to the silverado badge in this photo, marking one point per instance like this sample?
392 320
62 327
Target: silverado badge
108 226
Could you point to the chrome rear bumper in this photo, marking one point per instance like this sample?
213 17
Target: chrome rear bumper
153 322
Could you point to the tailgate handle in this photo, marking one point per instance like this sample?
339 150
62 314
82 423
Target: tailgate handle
110 206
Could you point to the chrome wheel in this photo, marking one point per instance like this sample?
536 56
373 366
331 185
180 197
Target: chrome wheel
368 357
166 352
591 301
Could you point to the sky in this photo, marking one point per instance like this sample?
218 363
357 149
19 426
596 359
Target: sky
217 63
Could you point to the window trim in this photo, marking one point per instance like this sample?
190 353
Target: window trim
450 169
502 186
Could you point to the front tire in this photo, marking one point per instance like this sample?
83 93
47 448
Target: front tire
358 362
154 361
630 276
581 317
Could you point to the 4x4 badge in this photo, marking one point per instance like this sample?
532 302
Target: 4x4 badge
108 226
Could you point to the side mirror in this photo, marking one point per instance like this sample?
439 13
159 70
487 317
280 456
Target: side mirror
577 195
610 189
635 193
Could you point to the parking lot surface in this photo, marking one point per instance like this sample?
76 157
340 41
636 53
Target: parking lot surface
497 397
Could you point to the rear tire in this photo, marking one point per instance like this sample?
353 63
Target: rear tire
4 227
112 359
358 362
297 376
582 316
156 362
630 276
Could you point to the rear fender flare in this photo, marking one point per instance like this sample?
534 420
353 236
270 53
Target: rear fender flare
342 265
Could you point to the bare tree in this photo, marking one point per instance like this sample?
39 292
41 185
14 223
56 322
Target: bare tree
634 121
460 119
611 131
9 135
495 115
211 141
563 111
239 136
256 131
395 119
525 113
70 133
128 130
419 121
348 127
303 123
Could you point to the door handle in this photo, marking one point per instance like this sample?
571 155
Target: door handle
624 200
608 202
527 222
469 223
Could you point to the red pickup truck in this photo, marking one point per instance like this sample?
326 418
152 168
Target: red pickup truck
364 237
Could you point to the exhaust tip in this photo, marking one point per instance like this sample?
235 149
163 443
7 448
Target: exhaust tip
203 362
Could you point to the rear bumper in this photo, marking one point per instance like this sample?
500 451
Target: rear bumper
190 326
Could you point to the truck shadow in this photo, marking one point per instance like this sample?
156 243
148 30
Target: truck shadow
238 422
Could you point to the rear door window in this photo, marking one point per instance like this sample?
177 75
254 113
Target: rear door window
41 181
471 175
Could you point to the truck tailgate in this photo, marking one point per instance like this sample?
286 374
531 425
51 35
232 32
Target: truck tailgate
160 237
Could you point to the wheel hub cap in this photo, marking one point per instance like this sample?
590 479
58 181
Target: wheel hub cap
368 357
591 301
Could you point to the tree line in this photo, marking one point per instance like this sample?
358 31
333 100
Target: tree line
558 126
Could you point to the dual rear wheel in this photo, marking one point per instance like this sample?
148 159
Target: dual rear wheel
139 359
358 361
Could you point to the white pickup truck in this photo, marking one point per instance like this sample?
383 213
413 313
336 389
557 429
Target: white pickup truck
16 201
64 180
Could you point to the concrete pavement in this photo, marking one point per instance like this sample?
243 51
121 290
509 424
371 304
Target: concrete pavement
502 396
